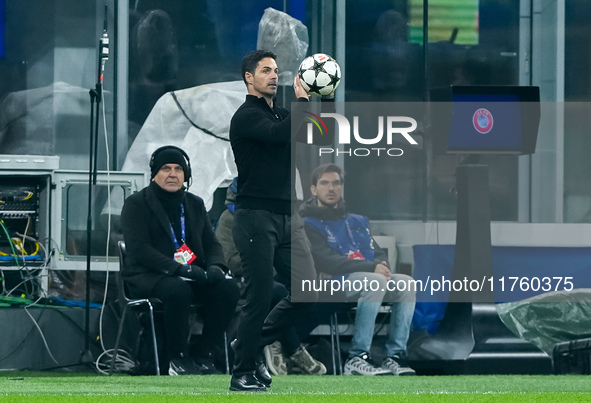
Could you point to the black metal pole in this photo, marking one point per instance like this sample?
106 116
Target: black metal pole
86 356
95 101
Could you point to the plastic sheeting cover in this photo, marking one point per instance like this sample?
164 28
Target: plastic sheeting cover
287 38
546 323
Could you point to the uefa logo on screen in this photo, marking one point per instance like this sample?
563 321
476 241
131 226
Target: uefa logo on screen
482 120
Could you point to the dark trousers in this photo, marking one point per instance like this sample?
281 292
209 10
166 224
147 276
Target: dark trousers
265 241
218 305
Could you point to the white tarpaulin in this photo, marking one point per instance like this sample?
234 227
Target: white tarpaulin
209 106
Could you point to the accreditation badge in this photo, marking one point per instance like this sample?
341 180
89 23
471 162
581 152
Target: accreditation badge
355 255
184 255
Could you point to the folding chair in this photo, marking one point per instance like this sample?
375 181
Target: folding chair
135 304
151 304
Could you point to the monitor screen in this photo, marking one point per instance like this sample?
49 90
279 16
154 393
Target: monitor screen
485 119
455 21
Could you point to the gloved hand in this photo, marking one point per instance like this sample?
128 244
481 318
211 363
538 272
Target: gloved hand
215 274
193 272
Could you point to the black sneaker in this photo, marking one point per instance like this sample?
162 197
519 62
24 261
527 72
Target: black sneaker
183 365
398 366
206 365
142 369
363 365
246 383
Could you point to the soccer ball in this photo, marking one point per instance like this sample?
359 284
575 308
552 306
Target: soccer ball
319 74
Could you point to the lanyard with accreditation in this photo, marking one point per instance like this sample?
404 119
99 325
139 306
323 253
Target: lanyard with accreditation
183 254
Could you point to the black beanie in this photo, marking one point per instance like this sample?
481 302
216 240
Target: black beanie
169 156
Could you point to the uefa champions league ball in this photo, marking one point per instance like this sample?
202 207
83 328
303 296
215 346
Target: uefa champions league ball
319 74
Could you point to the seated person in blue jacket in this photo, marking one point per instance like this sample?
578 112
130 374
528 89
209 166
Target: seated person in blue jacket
343 248
173 255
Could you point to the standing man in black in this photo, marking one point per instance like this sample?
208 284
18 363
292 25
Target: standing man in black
173 255
267 232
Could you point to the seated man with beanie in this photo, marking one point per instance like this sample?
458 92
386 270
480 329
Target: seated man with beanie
174 256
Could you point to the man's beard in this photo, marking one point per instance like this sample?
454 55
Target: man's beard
329 205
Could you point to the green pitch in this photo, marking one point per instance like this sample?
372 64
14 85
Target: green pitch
36 387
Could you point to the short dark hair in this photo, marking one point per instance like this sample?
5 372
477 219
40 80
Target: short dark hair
252 59
322 169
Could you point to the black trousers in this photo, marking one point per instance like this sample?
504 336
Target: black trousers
265 241
219 303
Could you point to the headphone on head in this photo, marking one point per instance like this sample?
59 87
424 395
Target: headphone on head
159 150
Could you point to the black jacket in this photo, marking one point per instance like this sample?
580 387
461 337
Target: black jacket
261 140
149 244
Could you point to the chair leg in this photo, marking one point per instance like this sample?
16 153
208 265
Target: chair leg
338 339
117 340
226 353
332 343
154 338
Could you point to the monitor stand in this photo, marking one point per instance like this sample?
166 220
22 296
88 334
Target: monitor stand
471 337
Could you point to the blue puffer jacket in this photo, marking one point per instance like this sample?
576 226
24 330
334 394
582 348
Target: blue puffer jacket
341 243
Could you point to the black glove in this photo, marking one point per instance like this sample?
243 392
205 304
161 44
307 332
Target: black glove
215 274
193 272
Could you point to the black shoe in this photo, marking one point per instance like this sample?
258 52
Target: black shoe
142 369
246 383
261 372
183 365
206 365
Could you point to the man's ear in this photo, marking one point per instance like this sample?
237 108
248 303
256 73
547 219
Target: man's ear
248 77
313 190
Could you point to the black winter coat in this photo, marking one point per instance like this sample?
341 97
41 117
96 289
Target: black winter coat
149 244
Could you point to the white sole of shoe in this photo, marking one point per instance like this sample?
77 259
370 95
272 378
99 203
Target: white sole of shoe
355 373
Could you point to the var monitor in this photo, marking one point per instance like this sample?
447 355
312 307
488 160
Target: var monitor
485 119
